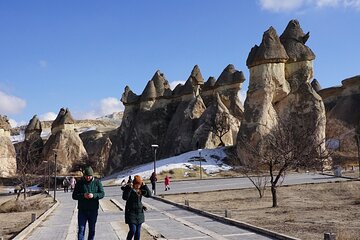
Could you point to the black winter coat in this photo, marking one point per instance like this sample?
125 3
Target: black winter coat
134 212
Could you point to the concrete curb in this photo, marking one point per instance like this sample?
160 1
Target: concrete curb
27 230
118 205
233 222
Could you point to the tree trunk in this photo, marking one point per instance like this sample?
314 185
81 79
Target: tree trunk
274 197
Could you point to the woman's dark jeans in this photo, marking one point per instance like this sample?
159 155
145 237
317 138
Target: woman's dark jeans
134 231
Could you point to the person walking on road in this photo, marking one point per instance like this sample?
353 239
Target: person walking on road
134 209
66 184
129 180
153 180
72 183
87 192
167 183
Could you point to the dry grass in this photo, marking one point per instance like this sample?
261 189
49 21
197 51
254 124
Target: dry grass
305 211
16 215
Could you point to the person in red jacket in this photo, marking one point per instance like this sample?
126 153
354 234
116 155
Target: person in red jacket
167 183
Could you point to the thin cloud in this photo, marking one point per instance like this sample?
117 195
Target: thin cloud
296 5
175 83
49 116
101 108
11 104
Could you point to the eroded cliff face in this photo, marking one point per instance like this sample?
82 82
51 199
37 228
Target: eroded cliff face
279 90
173 119
342 103
7 150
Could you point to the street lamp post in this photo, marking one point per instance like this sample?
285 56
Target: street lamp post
47 179
55 156
155 147
200 161
55 178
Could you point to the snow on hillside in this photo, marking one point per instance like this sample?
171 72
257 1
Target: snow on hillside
212 163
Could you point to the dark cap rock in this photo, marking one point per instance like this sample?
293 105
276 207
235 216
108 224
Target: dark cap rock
149 92
64 117
230 75
270 50
129 96
294 39
34 125
161 84
196 77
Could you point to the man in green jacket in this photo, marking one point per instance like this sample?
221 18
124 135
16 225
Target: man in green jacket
88 191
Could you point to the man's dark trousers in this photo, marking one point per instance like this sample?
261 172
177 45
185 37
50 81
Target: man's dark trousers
89 216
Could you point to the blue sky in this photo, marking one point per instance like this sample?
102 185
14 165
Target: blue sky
81 54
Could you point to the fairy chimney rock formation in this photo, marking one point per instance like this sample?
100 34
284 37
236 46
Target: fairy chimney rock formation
7 150
170 118
63 121
65 144
279 88
33 129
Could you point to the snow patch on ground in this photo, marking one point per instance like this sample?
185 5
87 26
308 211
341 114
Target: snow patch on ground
212 163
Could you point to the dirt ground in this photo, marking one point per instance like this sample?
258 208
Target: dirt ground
12 221
305 211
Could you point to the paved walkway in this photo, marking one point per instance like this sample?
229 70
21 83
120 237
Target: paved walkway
164 220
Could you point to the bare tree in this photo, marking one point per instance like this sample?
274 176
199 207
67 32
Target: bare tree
29 164
288 146
220 125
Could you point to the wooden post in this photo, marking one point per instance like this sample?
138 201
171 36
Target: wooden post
329 236
33 217
187 202
227 213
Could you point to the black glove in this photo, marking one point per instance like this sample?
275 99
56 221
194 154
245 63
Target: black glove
144 208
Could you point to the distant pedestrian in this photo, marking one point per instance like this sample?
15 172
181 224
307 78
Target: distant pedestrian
66 184
153 180
88 191
167 183
129 180
72 183
134 209
123 183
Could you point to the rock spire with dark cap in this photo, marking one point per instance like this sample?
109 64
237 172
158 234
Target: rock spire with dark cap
270 50
196 76
294 39
230 75
64 117
129 96
161 84
149 92
33 128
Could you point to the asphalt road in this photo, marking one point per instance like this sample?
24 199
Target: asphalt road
213 184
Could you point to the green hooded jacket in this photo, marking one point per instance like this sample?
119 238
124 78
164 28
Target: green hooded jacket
95 187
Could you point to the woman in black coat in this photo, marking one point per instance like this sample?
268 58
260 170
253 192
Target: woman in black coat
134 210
